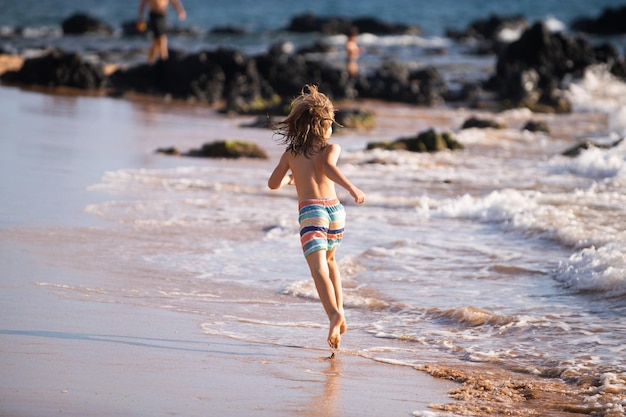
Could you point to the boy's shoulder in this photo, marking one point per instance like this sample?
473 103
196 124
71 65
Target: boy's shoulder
332 147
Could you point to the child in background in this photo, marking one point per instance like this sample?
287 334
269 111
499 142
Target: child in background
312 161
157 24
352 52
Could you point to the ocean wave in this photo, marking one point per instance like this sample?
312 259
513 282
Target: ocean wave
600 91
131 181
593 269
31 32
595 162
471 316
580 218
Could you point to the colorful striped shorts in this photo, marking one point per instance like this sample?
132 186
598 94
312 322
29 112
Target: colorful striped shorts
321 224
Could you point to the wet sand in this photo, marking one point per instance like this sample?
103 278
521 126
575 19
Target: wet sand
78 358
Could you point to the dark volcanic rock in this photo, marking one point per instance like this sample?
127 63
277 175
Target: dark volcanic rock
229 149
428 141
310 22
530 70
81 23
611 22
536 126
355 118
577 149
489 28
395 81
475 122
488 32
206 77
287 74
58 68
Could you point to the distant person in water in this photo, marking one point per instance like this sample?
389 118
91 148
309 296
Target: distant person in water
157 24
352 52
312 161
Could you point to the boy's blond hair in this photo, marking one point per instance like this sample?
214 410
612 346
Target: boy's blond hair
304 130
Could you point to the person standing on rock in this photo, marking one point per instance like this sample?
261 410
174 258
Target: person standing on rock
158 25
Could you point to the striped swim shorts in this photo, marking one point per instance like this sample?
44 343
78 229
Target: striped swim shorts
321 224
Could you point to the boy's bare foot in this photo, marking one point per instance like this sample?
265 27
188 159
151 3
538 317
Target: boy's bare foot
344 325
334 332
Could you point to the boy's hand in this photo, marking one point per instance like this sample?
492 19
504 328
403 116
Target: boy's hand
292 180
359 197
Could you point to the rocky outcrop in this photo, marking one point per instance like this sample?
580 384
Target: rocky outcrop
287 73
475 122
206 77
578 149
232 149
492 33
428 141
395 81
490 28
58 68
310 22
536 126
611 22
355 118
529 72
81 23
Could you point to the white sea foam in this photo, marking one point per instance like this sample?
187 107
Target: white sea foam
596 162
554 24
578 218
600 269
372 40
601 91
428 413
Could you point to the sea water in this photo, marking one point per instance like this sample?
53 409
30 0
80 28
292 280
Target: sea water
506 253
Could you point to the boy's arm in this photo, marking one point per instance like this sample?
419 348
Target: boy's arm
179 9
279 176
335 174
142 6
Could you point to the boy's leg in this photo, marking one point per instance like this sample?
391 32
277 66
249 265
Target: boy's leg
335 279
163 47
154 49
320 272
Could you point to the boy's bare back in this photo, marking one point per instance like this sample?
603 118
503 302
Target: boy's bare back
160 6
309 177
315 176
310 157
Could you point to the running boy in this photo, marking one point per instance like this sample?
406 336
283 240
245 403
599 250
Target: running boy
157 24
313 165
